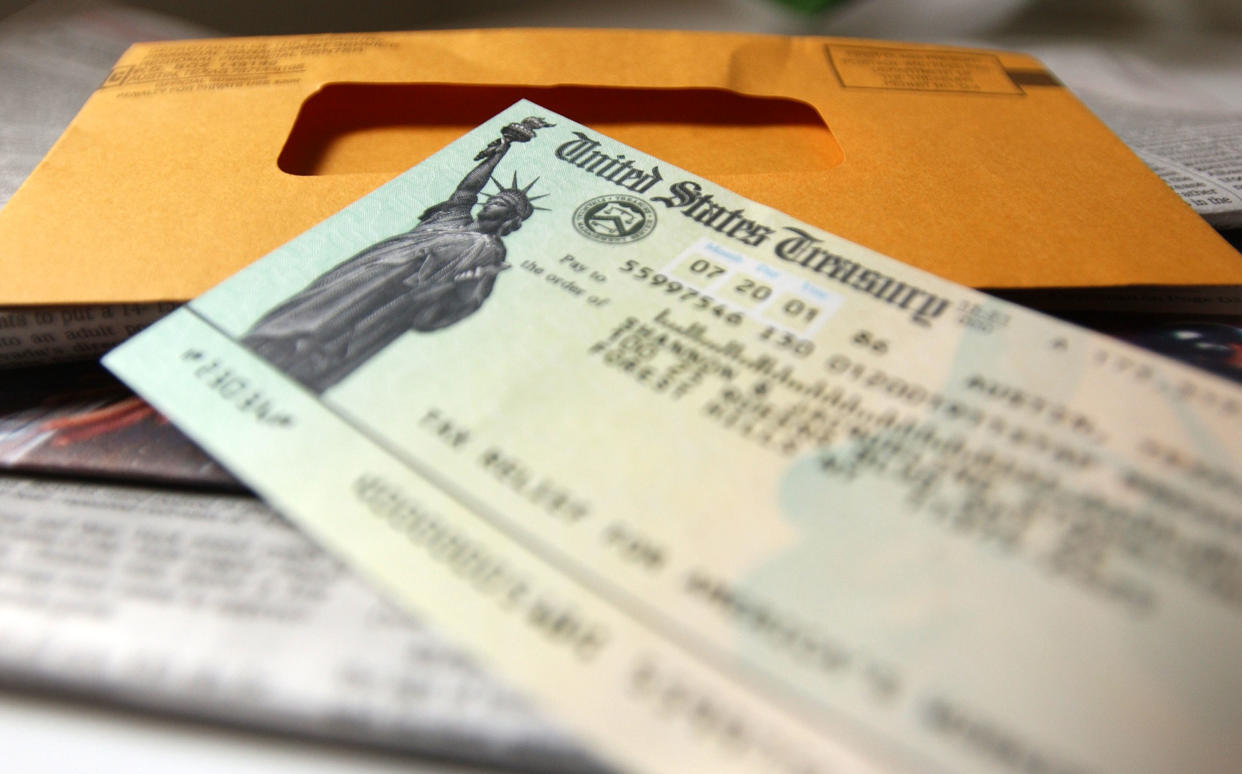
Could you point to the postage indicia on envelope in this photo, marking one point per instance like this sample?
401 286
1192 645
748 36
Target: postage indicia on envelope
725 492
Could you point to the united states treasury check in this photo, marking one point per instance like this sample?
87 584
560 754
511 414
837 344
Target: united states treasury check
725 492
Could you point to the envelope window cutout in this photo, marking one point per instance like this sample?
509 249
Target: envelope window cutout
360 127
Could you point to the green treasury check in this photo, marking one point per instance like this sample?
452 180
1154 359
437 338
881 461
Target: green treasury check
724 492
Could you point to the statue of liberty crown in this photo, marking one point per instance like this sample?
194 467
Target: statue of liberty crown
516 197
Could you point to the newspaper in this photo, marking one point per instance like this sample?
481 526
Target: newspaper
213 606
48 334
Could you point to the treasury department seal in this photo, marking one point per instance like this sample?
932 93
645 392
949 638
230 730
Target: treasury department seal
615 218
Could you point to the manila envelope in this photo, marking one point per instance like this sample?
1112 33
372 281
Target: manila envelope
195 158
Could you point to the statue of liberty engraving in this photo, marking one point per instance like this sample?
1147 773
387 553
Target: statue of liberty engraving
424 279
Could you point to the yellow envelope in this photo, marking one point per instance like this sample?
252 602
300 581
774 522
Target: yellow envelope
195 158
